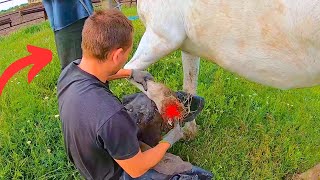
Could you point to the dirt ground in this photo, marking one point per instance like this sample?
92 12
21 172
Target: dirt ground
19 21
311 174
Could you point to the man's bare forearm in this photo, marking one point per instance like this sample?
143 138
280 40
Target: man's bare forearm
154 155
122 73
143 161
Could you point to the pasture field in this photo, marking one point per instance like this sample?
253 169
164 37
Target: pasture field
247 131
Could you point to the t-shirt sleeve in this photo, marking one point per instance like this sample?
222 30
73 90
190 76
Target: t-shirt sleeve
118 136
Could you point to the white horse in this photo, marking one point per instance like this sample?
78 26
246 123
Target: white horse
272 42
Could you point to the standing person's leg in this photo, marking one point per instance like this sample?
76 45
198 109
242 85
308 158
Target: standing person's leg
68 42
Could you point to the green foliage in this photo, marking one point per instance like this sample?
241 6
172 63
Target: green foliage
247 131
13 8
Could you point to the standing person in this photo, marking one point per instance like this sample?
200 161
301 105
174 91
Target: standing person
67 18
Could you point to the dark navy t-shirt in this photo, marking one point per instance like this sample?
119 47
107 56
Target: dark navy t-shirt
96 127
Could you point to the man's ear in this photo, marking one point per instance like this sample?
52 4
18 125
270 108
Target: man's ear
117 55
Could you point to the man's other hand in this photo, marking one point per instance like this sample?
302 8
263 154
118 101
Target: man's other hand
174 134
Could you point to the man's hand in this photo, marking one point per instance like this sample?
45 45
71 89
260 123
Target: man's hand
141 77
174 134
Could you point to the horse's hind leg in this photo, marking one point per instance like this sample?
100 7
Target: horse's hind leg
191 65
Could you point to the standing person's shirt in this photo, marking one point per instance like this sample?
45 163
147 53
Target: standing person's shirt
96 127
62 13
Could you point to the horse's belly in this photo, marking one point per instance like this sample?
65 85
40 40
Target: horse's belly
269 44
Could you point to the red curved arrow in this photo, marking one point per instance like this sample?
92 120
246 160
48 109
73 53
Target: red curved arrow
39 58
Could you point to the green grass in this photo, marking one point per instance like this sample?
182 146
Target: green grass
247 131
13 8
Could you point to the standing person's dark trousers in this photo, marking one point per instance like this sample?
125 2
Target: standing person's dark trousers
68 42
67 18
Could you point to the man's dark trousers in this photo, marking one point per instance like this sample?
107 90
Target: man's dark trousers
68 42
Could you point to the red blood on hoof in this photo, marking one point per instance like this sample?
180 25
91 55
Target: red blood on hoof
172 110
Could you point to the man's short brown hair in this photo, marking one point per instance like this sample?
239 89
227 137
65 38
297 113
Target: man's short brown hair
104 31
